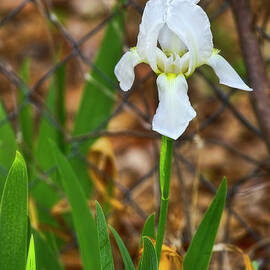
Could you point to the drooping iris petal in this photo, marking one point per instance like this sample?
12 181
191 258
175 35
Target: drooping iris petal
192 26
174 111
152 21
169 41
226 74
124 70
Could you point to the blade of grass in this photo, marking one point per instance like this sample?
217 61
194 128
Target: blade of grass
13 217
123 250
8 147
200 250
26 115
106 258
149 231
60 82
149 257
47 130
44 194
83 220
46 258
149 228
31 259
99 94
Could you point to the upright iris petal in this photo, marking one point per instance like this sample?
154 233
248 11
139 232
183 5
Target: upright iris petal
192 26
152 22
174 39
170 42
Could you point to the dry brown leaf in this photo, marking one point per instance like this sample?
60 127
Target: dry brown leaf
102 157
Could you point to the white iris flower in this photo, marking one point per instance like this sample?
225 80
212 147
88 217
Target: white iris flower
174 39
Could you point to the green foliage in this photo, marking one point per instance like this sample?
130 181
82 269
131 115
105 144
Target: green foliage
200 250
8 147
47 130
123 250
99 93
46 257
31 259
102 82
60 108
13 217
149 228
106 258
83 220
25 115
255 265
149 257
43 193
165 165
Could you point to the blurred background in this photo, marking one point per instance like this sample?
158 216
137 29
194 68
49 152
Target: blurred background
60 40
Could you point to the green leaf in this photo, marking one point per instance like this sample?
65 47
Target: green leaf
99 94
45 195
123 250
83 220
60 83
200 250
8 147
47 130
26 115
106 258
31 259
46 258
13 217
255 265
149 228
98 97
149 257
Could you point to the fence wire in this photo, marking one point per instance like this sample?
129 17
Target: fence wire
260 168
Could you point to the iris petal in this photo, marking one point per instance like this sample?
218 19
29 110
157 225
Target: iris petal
124 70
192 26
226 74
152 21
194 1
174 111
169 41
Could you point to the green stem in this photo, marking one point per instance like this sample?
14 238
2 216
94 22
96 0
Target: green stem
165 175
